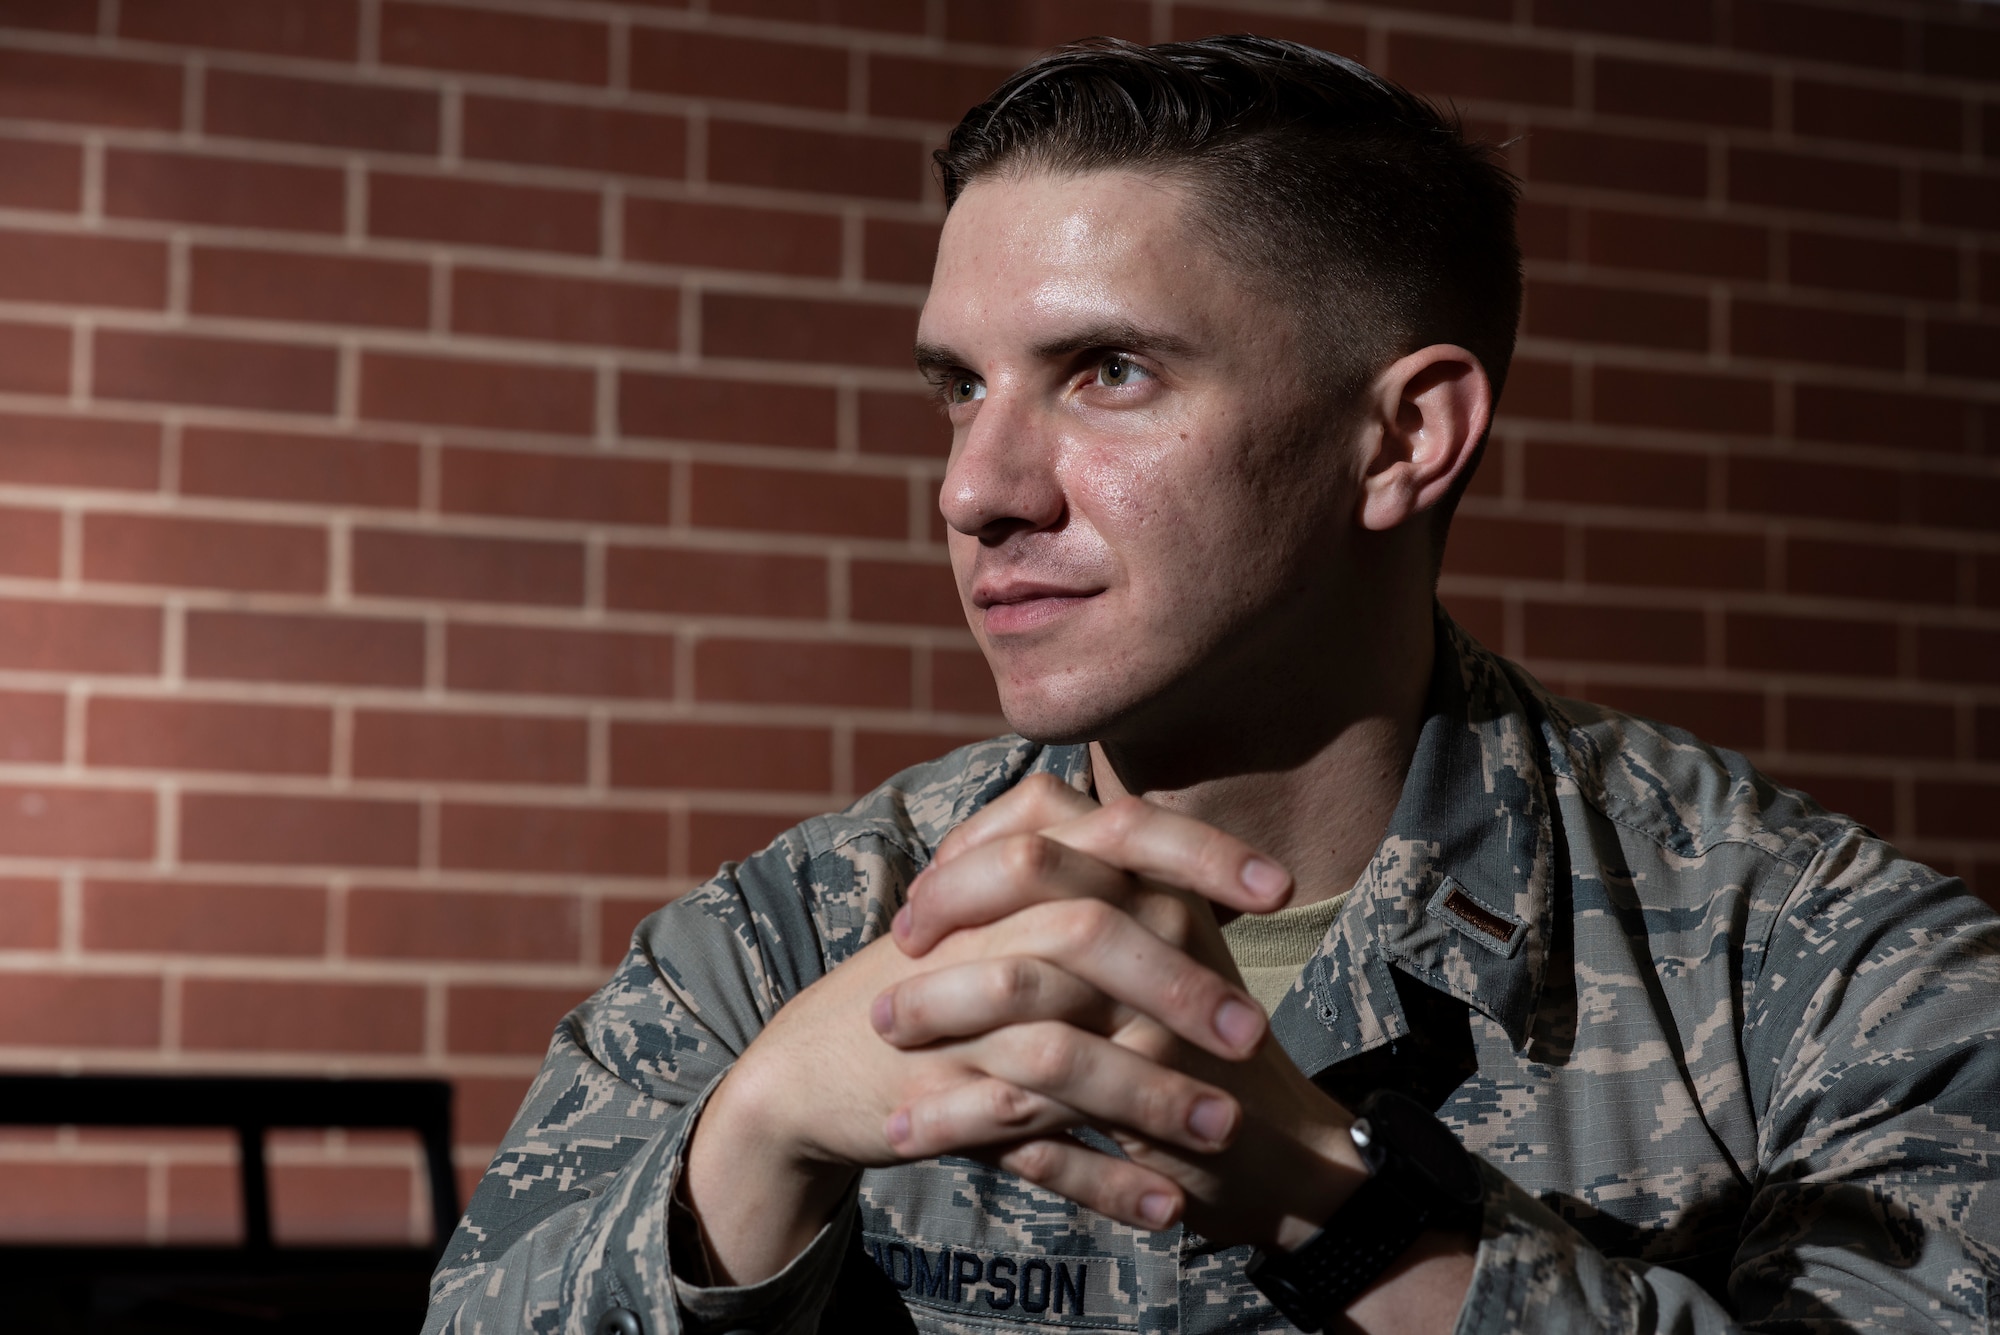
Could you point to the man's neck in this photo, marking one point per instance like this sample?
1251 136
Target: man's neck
1309 776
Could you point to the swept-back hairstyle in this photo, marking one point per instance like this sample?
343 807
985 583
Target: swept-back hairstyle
1349 199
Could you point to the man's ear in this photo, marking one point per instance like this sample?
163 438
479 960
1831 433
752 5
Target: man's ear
1431 411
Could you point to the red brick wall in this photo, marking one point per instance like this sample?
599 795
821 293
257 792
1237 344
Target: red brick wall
460 478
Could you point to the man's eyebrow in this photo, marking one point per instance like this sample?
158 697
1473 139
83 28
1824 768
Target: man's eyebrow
1116 334
936 359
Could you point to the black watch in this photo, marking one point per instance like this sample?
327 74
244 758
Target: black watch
1419 1178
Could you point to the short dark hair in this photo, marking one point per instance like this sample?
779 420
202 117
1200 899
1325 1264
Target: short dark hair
1358 203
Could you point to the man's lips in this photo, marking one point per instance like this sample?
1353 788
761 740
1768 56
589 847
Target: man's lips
1014 606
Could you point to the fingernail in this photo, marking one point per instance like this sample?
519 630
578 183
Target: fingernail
900 924
1210 1119
882 1014
1156 1208
898 1129
1238 1024
1266 880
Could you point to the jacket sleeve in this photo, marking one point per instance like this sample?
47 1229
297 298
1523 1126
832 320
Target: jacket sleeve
571 1218
1871 1037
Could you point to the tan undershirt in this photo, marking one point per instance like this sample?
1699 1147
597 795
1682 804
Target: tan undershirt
1271 948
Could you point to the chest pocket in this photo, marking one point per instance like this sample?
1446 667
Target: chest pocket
974 1245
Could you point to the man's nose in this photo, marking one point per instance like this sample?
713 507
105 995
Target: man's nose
1003 477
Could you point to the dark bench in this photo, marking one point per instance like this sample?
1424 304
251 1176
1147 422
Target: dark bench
158 1290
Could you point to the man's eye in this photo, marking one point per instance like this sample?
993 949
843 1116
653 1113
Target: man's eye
1118 370
964 389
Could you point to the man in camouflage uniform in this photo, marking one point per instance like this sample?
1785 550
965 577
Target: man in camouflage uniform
1722 1059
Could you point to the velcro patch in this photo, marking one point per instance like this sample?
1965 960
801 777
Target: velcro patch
1086 1291
1454 905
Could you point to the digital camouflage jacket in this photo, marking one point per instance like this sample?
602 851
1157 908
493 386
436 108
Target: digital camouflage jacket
1727 1061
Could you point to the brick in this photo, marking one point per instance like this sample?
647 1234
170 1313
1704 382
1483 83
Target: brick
79 452
223 192
49 86
483 1108
241 105
803 672
1986 579
904 593
1959 200
171 551
961 683
1618 162
591 841
1987 735
82 270
201 918
34 359
1597 634
1849 416
77 1010
1700 94
1871 570
330 289
1718 717
1969 50
1866 798
313 29
1876 115
1669 244
1450 67
880 755
1593 314
454 391
906 424
483 213
724 236
315 470
715 65
673 579
556 486
77 16
244 1014
66 1201
928 89
479 41
1891 268
802 330
1962 348
50 822
399 923
1666 559
721 756
208 735
30 913
532 660
470 748
497 1020
1681 402
218 372
1544 230
399 564
1815 334
564 310
1813 489
341 1203
1045 23
737 412
1833 725
1522 549
30 542
1818 32
79 637
1958 653
596 139
787 501
1193 21
297 831
1954 809
38 175
618 917
715 837
1596 475
31 728
1813 184
1818 645
894 251
349 651
819 161
1950 501
1628 18
879 15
